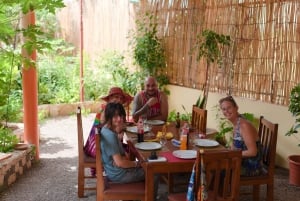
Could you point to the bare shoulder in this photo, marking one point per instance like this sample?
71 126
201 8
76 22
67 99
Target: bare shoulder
248 127
244 123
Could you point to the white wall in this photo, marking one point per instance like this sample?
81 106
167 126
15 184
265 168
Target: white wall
275 113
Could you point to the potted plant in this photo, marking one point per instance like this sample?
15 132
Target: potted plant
294 160
208 45
148 51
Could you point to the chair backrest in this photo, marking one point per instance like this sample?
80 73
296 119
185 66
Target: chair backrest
80 136
221 172
268 132
199 118
99 165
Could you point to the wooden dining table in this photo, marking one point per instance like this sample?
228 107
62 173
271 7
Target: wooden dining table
172 164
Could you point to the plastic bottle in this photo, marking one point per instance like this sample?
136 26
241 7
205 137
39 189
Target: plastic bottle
178 120
184 137
140 129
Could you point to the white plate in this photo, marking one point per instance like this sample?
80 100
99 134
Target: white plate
148 145
133 129
155 122
185 154
206 143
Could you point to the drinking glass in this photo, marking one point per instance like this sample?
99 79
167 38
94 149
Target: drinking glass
150 133
193 137
163 139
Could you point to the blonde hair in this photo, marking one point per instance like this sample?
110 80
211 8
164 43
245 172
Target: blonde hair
229 99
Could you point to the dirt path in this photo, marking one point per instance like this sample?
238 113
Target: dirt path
54 178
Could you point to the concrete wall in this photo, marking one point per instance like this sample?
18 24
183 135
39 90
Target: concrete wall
275 113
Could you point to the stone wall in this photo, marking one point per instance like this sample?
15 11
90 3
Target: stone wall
54 110
14 166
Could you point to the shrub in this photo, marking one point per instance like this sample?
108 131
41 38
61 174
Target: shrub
7 140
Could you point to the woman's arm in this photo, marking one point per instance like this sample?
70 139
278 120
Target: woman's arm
123 162
250 136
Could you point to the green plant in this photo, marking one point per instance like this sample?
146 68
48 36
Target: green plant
7 140
200 102
225 128
148 51
294 108
110 70
183 117
172 116
11 57
58 76
208 45
42 115
187 116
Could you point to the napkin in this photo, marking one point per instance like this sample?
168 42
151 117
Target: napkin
159 159
169 135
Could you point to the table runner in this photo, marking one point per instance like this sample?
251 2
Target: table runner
171 158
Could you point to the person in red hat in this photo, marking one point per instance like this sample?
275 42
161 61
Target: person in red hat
115 95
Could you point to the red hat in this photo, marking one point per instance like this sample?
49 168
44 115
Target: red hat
117 90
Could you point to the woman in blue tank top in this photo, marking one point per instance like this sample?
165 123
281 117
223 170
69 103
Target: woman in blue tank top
245 137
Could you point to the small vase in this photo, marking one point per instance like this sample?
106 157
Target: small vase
294 175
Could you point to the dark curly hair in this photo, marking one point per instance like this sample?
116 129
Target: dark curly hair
113 109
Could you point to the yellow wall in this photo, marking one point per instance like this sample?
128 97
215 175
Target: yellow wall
277 114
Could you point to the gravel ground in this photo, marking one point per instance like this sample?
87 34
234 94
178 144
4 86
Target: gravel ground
54 177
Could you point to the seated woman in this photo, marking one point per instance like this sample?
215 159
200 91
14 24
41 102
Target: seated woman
115 95
245 137
117 166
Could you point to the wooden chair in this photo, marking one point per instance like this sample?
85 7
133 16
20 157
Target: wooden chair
268 132
222 175
115 191
199 119
84 161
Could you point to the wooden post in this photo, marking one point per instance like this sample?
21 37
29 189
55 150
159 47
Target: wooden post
30 98
81 54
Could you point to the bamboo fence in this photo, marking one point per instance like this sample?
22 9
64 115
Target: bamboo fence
261 63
